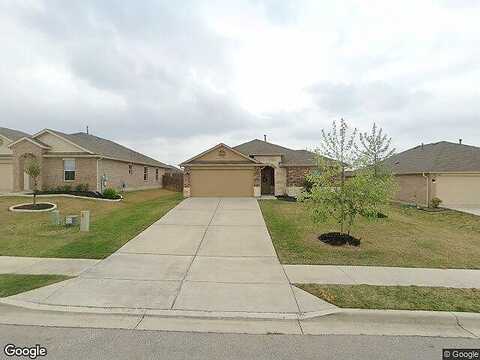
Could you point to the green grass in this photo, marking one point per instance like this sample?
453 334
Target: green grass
397 297
112 225
407 237
11 284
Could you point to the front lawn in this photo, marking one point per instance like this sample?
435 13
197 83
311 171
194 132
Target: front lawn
12 284
407 237
397 297
112 225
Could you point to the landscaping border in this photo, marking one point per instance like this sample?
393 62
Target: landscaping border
12 208
63 195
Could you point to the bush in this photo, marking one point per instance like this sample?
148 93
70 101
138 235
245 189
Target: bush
110 193
64 188
82 187
435 202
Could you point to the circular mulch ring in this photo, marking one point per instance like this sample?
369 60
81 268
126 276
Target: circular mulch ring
29 207
339 239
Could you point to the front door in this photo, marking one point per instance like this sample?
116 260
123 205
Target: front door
268 181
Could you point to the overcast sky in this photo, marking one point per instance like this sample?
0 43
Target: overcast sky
172 78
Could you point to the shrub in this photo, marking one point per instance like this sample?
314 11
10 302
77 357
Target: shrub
435 202
82 187
110 193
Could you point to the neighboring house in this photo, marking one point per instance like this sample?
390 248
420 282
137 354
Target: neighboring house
73 159
446 170
254 168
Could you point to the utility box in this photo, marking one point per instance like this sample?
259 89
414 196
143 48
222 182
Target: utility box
85 220
71 220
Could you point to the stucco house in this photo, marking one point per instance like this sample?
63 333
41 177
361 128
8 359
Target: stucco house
449 171
253 168
73 159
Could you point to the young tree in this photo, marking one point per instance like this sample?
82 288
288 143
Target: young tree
332 195
338 145
363 194
32 169
374 148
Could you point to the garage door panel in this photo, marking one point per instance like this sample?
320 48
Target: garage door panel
221 182
458 190
6 177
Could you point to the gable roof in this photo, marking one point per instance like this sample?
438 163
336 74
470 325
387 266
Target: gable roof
441 156
246 157
12 134
290 157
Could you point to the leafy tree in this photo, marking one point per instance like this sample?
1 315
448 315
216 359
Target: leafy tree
332 195
373 148
32 169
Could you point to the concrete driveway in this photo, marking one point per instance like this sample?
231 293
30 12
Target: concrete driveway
210 255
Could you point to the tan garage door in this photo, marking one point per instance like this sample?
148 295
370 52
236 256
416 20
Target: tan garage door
221 182
6 177
458 190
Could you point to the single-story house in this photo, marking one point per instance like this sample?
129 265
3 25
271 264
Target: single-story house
73 159
253 168
449 171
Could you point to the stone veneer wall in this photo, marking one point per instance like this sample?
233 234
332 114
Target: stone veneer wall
186 182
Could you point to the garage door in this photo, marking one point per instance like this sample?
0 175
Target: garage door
221 182
458 190
6 177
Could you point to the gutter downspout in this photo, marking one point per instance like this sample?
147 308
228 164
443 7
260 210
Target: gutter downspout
428 192
98 182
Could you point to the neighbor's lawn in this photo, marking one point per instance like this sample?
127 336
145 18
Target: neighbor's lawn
112 225
397 297
408 237
11 284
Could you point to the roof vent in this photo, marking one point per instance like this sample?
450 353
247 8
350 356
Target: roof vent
422 146
460 141
265 138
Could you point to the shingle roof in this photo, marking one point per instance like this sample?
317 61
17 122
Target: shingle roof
111 149
290 157
13 135
442 156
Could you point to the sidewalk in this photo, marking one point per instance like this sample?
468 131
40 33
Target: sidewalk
386 276
44 266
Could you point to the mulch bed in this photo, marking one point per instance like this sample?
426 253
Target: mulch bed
38 206
339 239
432 210
286 198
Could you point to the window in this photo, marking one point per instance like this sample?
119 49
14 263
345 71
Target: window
145 173
130 169
69 169
156 174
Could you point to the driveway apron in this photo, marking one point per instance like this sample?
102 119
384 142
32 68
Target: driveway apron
205 255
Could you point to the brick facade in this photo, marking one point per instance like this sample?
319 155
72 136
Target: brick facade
118 175
85 173
296 175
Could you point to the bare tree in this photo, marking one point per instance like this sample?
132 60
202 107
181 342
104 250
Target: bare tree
32 169
374 148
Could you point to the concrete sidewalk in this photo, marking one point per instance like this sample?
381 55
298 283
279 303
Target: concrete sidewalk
205 257
376 275
44 266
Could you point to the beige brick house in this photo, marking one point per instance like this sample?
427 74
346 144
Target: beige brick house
253 168
73 159
449 171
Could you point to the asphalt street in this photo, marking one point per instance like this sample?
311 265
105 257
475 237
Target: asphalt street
74 343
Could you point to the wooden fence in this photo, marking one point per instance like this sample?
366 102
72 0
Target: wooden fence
173 181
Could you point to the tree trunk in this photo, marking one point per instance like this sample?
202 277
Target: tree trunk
342 184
